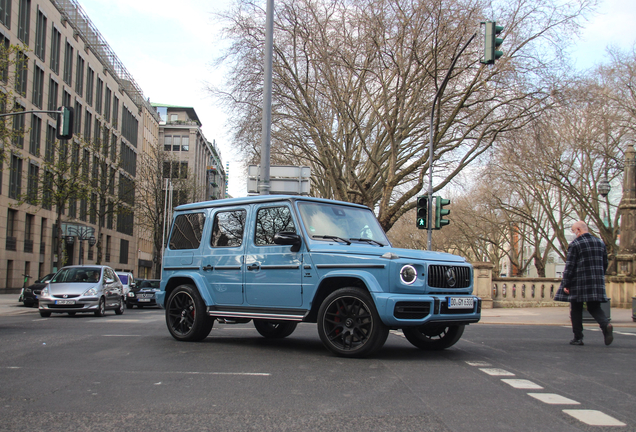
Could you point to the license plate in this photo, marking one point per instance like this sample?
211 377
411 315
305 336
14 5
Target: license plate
144 300
65 302
461 302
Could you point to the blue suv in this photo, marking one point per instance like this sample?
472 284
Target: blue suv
281 260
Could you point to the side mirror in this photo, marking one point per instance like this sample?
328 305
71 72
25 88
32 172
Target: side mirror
288 238
109 281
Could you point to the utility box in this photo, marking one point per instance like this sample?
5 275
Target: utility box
283 179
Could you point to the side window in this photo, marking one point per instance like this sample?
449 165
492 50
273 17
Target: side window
272 220
187 231
228 228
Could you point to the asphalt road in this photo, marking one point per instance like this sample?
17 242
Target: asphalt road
126 372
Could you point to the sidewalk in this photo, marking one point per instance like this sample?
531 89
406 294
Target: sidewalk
555 316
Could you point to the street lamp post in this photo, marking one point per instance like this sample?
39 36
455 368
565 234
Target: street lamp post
82 233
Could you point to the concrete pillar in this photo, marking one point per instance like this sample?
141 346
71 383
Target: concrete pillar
483 283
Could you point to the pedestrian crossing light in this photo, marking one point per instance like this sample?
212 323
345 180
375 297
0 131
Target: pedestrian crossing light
64 123
422 212
492 42
440 212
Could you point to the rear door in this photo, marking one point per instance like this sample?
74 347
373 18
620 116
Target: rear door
272 272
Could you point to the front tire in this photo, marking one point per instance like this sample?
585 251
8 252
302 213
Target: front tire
45 314
275 329
101 308
120 309
349 324
434 337
186 315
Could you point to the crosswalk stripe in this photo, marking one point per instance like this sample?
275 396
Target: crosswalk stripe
522 384
594 418
496 372
553 399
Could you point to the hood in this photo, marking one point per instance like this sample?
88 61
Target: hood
70 288
377 251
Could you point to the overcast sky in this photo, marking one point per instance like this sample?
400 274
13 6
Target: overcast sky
168 48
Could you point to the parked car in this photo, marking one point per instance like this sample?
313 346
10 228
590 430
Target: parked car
29 296
281 260
127 280
86 288
143 294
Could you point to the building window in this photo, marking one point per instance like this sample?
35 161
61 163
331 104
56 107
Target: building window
88 123
123 252
107 253
15 177
107 104
5 13
33 183
167 143
38 86
93 212
56 43
4 71
78 117
53 92
40 36
24 21
90 82
97 133
21 71
47 196
83 209
129 126
185 143
36 135
12 217
79 77
18 127
115 112
68 63
99 94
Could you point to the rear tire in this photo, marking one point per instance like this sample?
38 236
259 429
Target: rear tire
128 306
101 308
275 329
349 324
434 337
186 315
45 314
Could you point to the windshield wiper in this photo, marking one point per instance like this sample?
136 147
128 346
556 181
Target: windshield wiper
368 240
329 237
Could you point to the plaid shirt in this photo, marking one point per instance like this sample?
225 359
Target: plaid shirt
584 273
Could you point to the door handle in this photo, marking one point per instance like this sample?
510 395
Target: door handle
207 267
253 267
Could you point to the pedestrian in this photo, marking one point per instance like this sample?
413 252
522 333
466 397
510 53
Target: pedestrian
584 281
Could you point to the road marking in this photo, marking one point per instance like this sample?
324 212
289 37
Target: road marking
478 363
594 418
397 333
522 384
496 372
114 320
115 335
221 373
553 399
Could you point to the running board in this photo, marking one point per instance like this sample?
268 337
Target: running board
213 312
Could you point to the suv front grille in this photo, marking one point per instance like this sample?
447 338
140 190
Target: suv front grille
438 276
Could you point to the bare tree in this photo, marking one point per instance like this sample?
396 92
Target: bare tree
353 85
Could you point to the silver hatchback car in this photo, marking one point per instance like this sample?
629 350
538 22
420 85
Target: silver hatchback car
86 288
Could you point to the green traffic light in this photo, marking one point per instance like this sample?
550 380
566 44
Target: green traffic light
492 42
440 212
422 212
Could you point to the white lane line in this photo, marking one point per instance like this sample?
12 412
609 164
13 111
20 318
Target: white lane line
594 418
522 384
496 372
553 399
478 363
221 373
116 335
114 320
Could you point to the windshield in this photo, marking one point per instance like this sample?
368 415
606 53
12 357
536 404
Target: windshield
78 274
333 222
150 284
123 278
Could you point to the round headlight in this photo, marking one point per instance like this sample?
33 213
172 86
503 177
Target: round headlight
408 274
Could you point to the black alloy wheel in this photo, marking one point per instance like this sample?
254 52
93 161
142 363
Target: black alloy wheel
434 337
186 315
275 329
349 324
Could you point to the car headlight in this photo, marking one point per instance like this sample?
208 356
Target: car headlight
131 294
408 274
27 290
91 292
44 292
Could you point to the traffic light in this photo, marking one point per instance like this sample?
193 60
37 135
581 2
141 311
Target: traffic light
440 212
492 42
64 123
422 212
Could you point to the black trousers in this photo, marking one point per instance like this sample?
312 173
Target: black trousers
576 315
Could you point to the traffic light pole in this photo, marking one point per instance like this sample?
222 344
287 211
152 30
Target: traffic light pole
31 112
432 138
